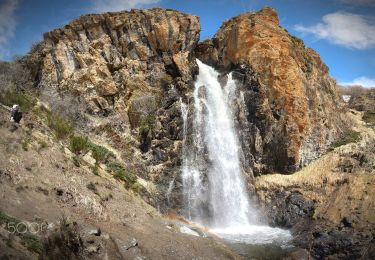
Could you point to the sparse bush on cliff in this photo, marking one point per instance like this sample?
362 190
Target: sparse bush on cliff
166 81
145 131
32 243
68 107
369 117
99 153
9 97
79 144
353 90
61 126
15 75
64 243
348 137
147 124
296 41
16 85
119 172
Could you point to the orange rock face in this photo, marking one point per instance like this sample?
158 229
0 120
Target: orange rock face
296 98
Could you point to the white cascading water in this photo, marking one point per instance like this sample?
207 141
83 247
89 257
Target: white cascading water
213 182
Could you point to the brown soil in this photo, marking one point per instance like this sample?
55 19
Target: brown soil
40 183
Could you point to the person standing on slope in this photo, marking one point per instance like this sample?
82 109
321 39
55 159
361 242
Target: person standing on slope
15 114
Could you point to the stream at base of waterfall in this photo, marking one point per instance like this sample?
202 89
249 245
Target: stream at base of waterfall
215 194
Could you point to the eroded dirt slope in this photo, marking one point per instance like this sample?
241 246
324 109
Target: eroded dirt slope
39 183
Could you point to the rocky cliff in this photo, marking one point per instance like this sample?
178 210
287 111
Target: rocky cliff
110 60
289 113
121 78
132 70
129 69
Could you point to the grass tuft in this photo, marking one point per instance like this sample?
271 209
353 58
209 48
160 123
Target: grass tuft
100 153
61 126
369 117
120 173
21 98
348 137
79 144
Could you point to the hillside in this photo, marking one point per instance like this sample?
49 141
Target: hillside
41 186
117 104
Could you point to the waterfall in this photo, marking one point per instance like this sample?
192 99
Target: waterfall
223 197
214 184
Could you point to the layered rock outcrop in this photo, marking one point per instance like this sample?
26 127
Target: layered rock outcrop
131 70
289 112
104 56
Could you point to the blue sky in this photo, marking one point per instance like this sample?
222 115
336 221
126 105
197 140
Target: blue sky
342 31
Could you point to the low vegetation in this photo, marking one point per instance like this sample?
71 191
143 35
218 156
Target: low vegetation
79 144
348 137
61 126
146 129
353 90
121 173
166 81
19 228
16 85
369 117
23 99
99 153
296 41
147 125
25 144
32 243
5 219
68 107
64 243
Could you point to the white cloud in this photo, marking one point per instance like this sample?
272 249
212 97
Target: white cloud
119 5
7 25
361 81
342 28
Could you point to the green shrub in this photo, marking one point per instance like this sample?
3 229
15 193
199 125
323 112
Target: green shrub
32 243
5 219
79 144
23 99
369 117
348 137
60 125
42 144
76 161
147 125
64 242
296 41
136 187
95 170
25 144
120 173
166 81
100 153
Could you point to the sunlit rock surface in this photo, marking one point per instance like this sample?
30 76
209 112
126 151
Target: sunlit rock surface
291 107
